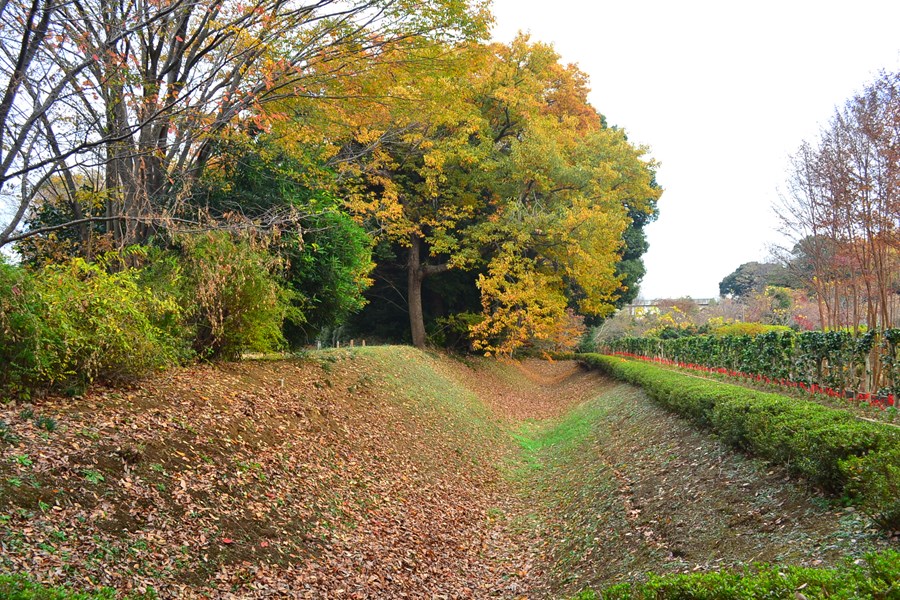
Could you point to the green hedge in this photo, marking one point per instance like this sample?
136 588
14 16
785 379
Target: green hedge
831 448
877 577
831 359
69 324
66 325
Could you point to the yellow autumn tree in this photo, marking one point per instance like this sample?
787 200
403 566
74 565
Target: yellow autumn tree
568 181
488 158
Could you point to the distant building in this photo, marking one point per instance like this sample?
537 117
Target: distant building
642 308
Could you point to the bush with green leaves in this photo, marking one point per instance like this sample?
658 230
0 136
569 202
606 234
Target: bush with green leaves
875 577
68 324
235 302
875 480
831 448
26 342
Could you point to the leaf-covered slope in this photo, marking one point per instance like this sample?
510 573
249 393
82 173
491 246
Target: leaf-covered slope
365 473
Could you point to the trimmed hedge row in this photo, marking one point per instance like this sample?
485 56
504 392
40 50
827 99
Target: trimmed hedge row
831 448
830 359
877 577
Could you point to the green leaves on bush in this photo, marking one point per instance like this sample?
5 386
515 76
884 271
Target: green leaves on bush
235 303
878 576
66 325
831 448
69 324
875 480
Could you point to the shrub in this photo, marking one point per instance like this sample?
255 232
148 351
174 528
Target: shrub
875 481
69 324
236 302
328 271
878 576
27 346
831 448
105 322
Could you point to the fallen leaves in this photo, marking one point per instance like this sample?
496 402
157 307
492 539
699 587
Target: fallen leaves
224 477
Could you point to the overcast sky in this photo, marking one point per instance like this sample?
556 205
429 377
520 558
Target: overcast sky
722 93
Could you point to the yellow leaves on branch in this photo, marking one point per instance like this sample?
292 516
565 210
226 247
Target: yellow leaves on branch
524 307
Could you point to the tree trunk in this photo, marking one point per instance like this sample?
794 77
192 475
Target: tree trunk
415 275
417 271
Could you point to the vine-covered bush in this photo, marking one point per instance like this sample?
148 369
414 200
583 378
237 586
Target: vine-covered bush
868 361
831 448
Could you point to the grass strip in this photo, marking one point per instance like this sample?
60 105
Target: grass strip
18 587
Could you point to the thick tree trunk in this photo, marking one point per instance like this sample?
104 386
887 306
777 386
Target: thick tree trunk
415 275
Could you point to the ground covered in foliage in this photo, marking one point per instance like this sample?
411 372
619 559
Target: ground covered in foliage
388 473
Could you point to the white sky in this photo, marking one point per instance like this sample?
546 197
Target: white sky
722 93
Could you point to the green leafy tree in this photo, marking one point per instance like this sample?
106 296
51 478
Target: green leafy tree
325 255
752 278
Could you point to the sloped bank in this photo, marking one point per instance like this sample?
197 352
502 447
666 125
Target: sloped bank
366 474
621 487
845 456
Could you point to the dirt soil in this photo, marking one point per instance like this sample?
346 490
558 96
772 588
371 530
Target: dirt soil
385 473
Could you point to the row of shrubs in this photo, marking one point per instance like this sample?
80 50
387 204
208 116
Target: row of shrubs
130 313
846 456
878 576
859 362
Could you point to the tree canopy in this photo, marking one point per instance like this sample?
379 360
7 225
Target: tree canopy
478 172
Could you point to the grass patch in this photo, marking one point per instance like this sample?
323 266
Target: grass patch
17 587
552 443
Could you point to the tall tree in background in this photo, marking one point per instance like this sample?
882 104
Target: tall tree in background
843 209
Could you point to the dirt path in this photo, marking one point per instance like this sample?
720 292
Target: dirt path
531 389
386 473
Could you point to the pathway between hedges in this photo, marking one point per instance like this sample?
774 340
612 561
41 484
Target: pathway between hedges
387 473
